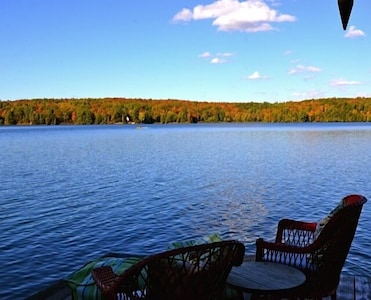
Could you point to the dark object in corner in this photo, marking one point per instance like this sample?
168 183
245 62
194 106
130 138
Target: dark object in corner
345 8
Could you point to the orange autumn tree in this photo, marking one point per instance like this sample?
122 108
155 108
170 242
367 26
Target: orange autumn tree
147 111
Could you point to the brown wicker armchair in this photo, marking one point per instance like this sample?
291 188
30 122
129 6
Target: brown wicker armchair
195 272
318 249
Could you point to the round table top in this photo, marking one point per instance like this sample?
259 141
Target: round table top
265 277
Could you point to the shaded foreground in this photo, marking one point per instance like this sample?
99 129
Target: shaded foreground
350 287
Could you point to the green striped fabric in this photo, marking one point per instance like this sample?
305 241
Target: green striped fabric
82 283
229 292
212 238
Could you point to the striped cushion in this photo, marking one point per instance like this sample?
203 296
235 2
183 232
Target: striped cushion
82 283
321 224
212 238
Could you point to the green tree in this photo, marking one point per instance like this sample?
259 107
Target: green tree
84 116
10 118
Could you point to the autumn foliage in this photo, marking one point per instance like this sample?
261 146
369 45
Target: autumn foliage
123 110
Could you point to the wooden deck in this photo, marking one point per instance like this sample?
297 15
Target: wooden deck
354 287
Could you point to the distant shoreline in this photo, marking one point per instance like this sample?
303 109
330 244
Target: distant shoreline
101 111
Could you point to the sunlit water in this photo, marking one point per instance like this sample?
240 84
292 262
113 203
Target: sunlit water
70 194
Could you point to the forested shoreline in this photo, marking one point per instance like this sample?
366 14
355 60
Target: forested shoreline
147 111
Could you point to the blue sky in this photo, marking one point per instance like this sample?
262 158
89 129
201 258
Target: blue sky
201 50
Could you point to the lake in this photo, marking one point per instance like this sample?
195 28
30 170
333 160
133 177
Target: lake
70 194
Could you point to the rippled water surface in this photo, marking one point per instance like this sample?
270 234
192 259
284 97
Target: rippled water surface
71 194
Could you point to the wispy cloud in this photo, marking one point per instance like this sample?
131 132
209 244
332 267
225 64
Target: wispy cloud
225 54
256 75
205 55
304 69
310 94
342 82
219 58
353 32
288 52
233 15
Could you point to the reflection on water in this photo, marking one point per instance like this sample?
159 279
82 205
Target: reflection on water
70 194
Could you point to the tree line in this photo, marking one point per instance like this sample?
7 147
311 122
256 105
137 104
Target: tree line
148 111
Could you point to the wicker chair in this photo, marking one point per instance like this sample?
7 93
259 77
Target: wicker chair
195 272
320 252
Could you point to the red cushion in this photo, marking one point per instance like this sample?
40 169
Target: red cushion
352 199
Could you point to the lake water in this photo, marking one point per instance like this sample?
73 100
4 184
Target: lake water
70 194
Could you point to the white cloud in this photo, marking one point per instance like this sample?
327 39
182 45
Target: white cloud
205 55
217 60
184 15
353 32
342 82
225 54
309 94
233 15
288 52
256 75
303 69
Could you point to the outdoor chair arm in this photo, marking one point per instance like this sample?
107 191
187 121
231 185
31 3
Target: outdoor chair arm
295 232
194 272
302 257
318 249
105 279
